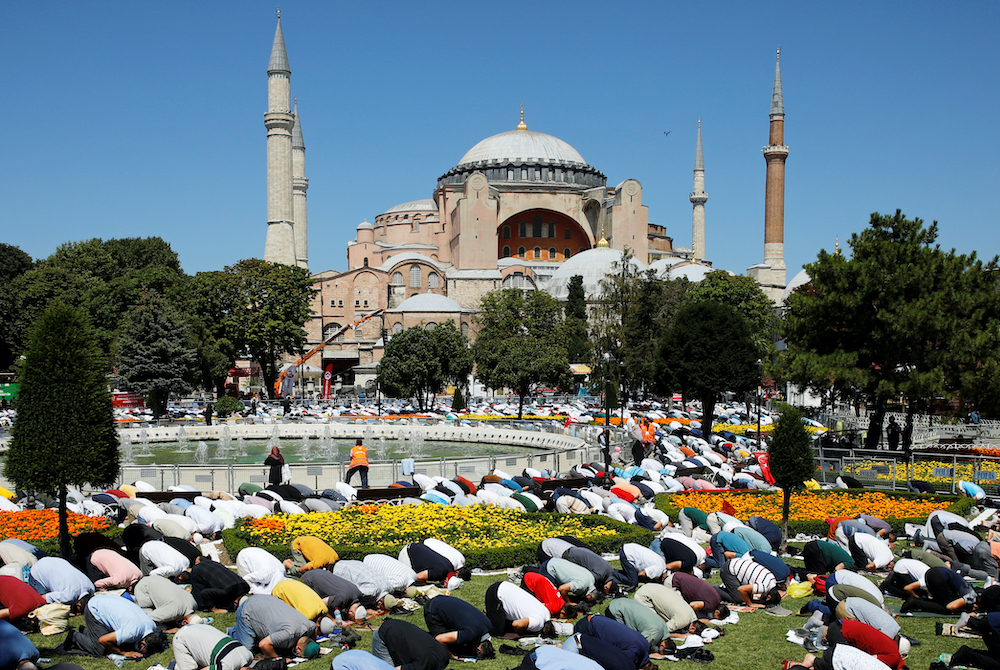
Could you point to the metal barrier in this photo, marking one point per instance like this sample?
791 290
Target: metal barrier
943 470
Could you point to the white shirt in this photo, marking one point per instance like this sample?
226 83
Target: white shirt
207 522
875 548
645 560
168 561
917 570
187 522
691 543
453 555
150 513
259 569
519 604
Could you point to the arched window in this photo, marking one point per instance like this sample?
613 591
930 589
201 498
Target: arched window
465 330
552 253
510 175
523 228
414 276
506 232
520 252
569 233
566 253
331 328
536 227
432 280
397 328
430 325
397 278
366 261
506 252
538 253
415 226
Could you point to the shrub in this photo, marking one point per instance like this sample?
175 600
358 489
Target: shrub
226 405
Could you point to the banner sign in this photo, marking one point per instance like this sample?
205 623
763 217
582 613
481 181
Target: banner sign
327 380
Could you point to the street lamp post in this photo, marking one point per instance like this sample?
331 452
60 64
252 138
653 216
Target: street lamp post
608 360
378 389
621 390
760 368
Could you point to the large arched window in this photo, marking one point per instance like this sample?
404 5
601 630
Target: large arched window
432 280
506 232
414 276
465 330
397 278
331 328
430 325
397 328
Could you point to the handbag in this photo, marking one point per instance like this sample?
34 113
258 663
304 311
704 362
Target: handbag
286 474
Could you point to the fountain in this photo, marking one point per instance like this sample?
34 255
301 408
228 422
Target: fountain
417 443
201 453
144 449
241 447
305 451
182 439
368 438
326 446
126 448
380 450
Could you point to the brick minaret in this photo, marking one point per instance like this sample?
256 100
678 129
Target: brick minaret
771 273
300 184
280 244
698 199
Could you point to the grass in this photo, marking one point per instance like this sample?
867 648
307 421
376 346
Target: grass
757 642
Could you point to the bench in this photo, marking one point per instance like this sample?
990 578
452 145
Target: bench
167 496
389 493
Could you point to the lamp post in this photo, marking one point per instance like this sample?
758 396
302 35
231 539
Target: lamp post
621 391
378 388
760 368
608 360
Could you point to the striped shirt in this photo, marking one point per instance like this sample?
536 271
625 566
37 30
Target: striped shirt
751 572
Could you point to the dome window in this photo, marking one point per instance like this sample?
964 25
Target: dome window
552 229
552 253
414 276
506 232
537 253
523 228
506 252
566 253
520 252
569 233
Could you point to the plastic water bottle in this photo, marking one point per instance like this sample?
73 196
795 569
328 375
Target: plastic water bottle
117 659
25 573
340 622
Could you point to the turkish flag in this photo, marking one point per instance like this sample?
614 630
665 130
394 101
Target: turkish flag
728 509
765 466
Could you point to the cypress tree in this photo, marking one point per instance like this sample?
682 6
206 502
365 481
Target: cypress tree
790 457
64 435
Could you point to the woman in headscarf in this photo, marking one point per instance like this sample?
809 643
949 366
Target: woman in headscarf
276 461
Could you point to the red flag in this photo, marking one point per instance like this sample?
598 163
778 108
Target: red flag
728 509
327 379
765 466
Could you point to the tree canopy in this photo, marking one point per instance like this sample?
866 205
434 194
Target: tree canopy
708 350
265 306
575 322
64 435
900 317
745 296
154 354
418 362
520 343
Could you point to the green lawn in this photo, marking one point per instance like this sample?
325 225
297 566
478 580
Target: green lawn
756 642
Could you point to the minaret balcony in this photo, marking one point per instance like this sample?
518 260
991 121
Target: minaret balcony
775 151
698 198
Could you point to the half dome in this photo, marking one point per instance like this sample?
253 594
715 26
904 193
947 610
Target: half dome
428 302
593 265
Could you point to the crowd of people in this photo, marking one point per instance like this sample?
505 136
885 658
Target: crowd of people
657 602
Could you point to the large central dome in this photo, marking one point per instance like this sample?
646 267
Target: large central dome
524 145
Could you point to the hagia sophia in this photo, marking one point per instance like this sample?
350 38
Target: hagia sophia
520 209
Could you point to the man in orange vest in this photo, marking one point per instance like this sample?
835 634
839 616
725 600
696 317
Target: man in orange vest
359 463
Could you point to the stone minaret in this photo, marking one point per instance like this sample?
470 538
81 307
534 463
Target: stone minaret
280 245
300 184
698 199
771 273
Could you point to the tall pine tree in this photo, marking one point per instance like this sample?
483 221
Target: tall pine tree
64 435
790 458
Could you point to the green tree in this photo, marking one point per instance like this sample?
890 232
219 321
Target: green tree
745 296
452 348
790 458
265 306
899 317
708 350
201 299
575 322
13 264
411 367
154 356
64 434
519 343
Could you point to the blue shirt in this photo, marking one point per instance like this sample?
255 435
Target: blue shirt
59 580
357 659
732 542
126 619
14 646
549 657
620 636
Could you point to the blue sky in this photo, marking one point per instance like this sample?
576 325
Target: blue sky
132 119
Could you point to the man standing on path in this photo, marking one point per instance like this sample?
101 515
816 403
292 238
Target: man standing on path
359 463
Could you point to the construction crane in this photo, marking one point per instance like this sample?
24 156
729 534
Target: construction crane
312 352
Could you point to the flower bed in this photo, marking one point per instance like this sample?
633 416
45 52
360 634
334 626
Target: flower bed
810 509
36 526
923 470
488 536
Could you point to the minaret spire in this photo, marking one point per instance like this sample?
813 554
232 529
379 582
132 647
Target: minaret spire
698 199
280 246
777 102
300 184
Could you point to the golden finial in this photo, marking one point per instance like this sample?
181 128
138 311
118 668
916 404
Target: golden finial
603 243
522 126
